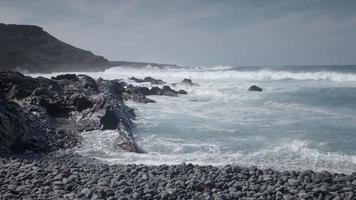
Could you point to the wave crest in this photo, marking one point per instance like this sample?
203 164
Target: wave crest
225 72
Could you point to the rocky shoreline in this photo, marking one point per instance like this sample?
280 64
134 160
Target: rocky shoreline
40 120
70 176
40 114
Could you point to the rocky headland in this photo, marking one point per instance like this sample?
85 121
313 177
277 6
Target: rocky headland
40 119
30 48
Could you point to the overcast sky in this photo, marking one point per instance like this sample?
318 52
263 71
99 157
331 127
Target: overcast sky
206 32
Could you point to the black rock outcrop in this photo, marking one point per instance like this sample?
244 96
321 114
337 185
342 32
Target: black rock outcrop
32 49
138 94
20 131
148 79
255 88
64 104
188 82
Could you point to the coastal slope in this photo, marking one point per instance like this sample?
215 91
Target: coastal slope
30 48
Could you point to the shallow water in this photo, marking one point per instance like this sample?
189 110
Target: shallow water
304 119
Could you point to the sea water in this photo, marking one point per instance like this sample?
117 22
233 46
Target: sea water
305 118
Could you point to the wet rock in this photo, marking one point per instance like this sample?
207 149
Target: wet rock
63 105
154 81
167 91
188 82
20 131
85 192
109 121
71 77
138 94
255 88
182 92
148 79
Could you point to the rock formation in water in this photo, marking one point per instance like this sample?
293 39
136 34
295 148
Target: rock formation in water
255 88
138 94
148 79
32 49
40 113
188 82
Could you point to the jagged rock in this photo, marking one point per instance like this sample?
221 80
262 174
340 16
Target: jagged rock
167 91
155 91
72 103
182 92
188 82
109 121
71 77
16 86
148 79
139 98
255 88
138 94
20 131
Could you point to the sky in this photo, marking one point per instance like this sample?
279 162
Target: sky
199 32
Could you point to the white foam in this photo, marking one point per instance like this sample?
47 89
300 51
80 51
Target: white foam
289 155
222 105
296 107
225 72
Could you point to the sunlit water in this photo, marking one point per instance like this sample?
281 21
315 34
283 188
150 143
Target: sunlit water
304 119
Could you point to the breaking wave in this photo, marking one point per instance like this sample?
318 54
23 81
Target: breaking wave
289 155
222 72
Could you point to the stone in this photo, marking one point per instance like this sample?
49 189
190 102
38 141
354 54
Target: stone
255 88
85 192
182 92
188 82
293 182
21 188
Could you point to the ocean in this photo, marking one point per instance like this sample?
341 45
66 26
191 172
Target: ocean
304 119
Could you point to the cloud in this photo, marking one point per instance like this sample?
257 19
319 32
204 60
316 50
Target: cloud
11 15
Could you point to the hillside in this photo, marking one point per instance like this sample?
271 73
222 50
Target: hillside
30 48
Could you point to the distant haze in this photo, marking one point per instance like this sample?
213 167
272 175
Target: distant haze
205 32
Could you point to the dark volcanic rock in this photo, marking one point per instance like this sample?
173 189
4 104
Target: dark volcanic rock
182 92
154 81
31 48
148 79
69 104
188 82
167 91
69 176
20 131
138 94
255 88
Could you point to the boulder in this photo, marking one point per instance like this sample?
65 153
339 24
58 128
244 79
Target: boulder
167 91
182 92
154 81
20 132
148 79
138 94
255 88
70 104
188 82
71 77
